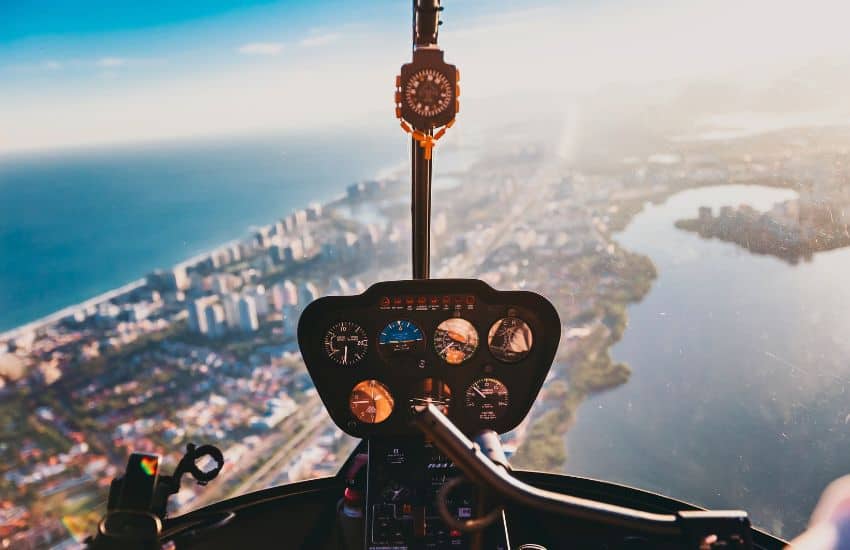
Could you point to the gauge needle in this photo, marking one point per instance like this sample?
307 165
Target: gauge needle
361 402
445 349
345 355
479 392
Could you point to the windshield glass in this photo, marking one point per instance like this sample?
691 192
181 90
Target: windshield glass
177 183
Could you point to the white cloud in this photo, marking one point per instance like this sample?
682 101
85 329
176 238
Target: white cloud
319 40
261 48
111 62
52 64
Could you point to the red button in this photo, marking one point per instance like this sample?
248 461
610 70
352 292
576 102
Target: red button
447 299
408 300
470 300
397 300
435 300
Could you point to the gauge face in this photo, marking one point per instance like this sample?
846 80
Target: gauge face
432 391
346 343
510 339
400 337
455 340
487 399
371 402
428 92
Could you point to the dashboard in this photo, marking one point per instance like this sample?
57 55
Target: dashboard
479 354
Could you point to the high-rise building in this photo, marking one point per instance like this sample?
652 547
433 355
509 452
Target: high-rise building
230 303
215 320
248 320
290 293
197 319
294 251
314 211
290 320
277 299
261 300
307 293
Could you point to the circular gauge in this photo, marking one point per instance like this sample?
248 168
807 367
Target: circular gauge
428 92
487 399
400 336
455 340
433 391
371 402
346 343
510 339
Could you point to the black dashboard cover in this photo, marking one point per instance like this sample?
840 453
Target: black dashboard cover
427 303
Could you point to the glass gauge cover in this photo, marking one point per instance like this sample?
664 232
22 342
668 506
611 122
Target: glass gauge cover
487 399
455 340
371 402
510 339
401 336
428 92
346 343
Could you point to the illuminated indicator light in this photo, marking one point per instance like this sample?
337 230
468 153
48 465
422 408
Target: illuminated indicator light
454 533
385 301
435 300
458 299
470 300
397 301
148 465
422 300
447 299
408 300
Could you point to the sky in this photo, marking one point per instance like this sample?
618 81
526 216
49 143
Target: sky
87 72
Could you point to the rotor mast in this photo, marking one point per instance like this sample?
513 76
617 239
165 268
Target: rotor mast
426 20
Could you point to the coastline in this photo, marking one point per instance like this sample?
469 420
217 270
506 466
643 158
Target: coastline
40 323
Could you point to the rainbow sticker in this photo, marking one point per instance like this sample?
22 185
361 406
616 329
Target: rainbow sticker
148 464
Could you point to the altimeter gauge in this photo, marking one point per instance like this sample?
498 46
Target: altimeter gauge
371 402
346 343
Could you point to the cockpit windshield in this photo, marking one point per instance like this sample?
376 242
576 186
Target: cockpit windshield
178 182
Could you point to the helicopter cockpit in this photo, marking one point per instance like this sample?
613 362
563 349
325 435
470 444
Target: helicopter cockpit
427 373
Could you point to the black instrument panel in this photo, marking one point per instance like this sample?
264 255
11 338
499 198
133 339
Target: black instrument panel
479 354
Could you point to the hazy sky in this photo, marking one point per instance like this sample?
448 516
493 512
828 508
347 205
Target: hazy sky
81 72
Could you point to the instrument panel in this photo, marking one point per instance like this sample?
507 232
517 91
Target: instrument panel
479 354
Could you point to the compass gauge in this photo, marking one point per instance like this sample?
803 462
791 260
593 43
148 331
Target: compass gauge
428 92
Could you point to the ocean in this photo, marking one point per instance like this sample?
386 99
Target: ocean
78 223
